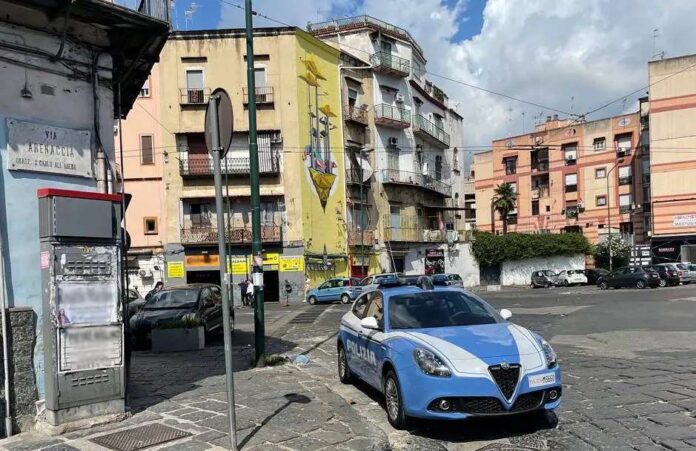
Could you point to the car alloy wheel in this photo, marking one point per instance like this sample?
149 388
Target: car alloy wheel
603 286
663 283
640 284
343 370
393 401
312 300
565 283
345 299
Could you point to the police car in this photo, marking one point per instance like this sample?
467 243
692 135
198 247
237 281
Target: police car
444 353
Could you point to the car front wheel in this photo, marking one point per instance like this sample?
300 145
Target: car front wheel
345 299
312 300
394 402
603 286
640 284
344 374
663 283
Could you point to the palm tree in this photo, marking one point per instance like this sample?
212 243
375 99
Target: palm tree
504 202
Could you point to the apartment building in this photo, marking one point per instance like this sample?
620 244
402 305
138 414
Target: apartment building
569 177
299 118
669 116
411 199
142 177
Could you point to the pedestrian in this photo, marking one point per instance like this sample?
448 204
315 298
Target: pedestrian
158 287
307 286
250 292
243 290
288 290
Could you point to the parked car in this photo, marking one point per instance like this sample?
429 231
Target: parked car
674 268
372 282
452 280
668 274
544 278
594 274
572 277
630 277
197 301
134 302
337 289
689 274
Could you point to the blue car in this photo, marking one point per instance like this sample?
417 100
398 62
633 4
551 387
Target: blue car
337 289
444 353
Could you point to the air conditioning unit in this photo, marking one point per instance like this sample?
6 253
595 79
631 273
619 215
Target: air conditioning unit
399 98
393 141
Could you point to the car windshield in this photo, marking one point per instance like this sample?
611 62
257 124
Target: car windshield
550 273
185 298
682 266
439 309
575 271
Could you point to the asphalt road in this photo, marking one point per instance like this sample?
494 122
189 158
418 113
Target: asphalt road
629 371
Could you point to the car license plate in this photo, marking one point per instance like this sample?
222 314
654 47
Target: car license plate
653 275
542 379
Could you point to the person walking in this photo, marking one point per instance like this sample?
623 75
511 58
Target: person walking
250 293
288 290
306 287
243 290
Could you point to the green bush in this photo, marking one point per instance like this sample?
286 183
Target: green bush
621 252
490 249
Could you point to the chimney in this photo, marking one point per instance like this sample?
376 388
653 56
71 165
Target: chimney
555 117
548 118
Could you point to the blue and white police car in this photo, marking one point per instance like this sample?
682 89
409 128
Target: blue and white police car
444 353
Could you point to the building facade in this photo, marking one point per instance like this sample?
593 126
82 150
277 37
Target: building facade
411 200
669 116
569 177
299 122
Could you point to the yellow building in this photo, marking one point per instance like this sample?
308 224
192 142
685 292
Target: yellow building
303 207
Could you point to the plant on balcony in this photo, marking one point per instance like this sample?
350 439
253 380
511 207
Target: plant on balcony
504 202
620 250
491 250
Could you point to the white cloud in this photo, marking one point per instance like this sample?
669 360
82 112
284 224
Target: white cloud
566 54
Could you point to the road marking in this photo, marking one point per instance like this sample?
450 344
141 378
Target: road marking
555 310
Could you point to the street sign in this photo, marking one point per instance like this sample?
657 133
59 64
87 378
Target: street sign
225 118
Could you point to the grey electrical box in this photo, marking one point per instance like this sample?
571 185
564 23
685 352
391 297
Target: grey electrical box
82 315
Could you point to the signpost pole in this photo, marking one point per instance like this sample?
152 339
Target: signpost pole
216 150
256 246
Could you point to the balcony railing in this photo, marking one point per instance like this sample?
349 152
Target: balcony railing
392 116
197 165
540 166
415 179
571 188
409 229
234 235
421 124
572 212
542 191
360 237
355 113
353 176
194 96
391 64
264 95
159 9
623 209
625 180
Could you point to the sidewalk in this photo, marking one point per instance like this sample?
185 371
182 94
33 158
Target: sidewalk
183 395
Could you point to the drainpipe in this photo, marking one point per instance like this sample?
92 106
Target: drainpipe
5 356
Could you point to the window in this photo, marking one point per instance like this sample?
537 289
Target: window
510 165
385 46
571 183
600 173
548 208
438 167
352 97
623 144
194 86
147 155
150 226
535 208
601 201
624 175
260 77
599 144
376 309
570 153
571 209
625 203
145 90
455 159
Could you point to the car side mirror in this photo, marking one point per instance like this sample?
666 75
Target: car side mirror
369 322
506 314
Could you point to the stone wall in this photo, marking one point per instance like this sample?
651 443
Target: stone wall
23 393
519 272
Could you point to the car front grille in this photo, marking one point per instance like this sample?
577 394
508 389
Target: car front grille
485 406
506 378
528 401
488 405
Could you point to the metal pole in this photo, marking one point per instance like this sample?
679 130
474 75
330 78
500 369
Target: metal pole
362 215
217 148
256 246
611 252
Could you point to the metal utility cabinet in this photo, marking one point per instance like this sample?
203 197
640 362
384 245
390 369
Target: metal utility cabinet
82 323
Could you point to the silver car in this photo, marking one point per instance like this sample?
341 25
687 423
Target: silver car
451 280
689 272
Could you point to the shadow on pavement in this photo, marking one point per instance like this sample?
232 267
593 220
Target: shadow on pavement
291 398
157 377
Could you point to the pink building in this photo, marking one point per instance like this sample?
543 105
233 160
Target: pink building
142 173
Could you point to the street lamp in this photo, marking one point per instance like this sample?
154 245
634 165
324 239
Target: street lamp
611 252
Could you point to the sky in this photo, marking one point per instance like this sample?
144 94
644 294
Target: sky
566 56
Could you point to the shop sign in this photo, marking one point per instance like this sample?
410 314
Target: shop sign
175 270
291 263
684 220
271 259
203 260
238 266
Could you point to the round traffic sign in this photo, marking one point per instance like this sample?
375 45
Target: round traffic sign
225 118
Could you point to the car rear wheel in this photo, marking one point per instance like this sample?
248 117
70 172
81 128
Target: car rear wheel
344 374
345 299
547 285
640 284
312 300
603 286
663 283
531 285
394 402
565 283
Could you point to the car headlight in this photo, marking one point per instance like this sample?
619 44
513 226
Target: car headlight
549 353
431 364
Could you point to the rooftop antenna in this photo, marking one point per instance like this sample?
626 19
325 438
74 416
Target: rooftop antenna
572 104
655 53
523 122
176 14
188 14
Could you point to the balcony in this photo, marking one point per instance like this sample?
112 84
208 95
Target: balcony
387 63
353 177
572 212
208 235
540 166
194 97
539 192
623 209
409 229
201 165
415 179
429 129
356 114
392 116
158 9
358 237
625 180
264 95
623 151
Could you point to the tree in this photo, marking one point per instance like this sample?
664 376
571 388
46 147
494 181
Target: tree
621 252
504 202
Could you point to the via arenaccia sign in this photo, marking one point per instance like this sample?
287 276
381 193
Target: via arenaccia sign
43 148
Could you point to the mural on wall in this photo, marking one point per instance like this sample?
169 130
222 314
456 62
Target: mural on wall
320 132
